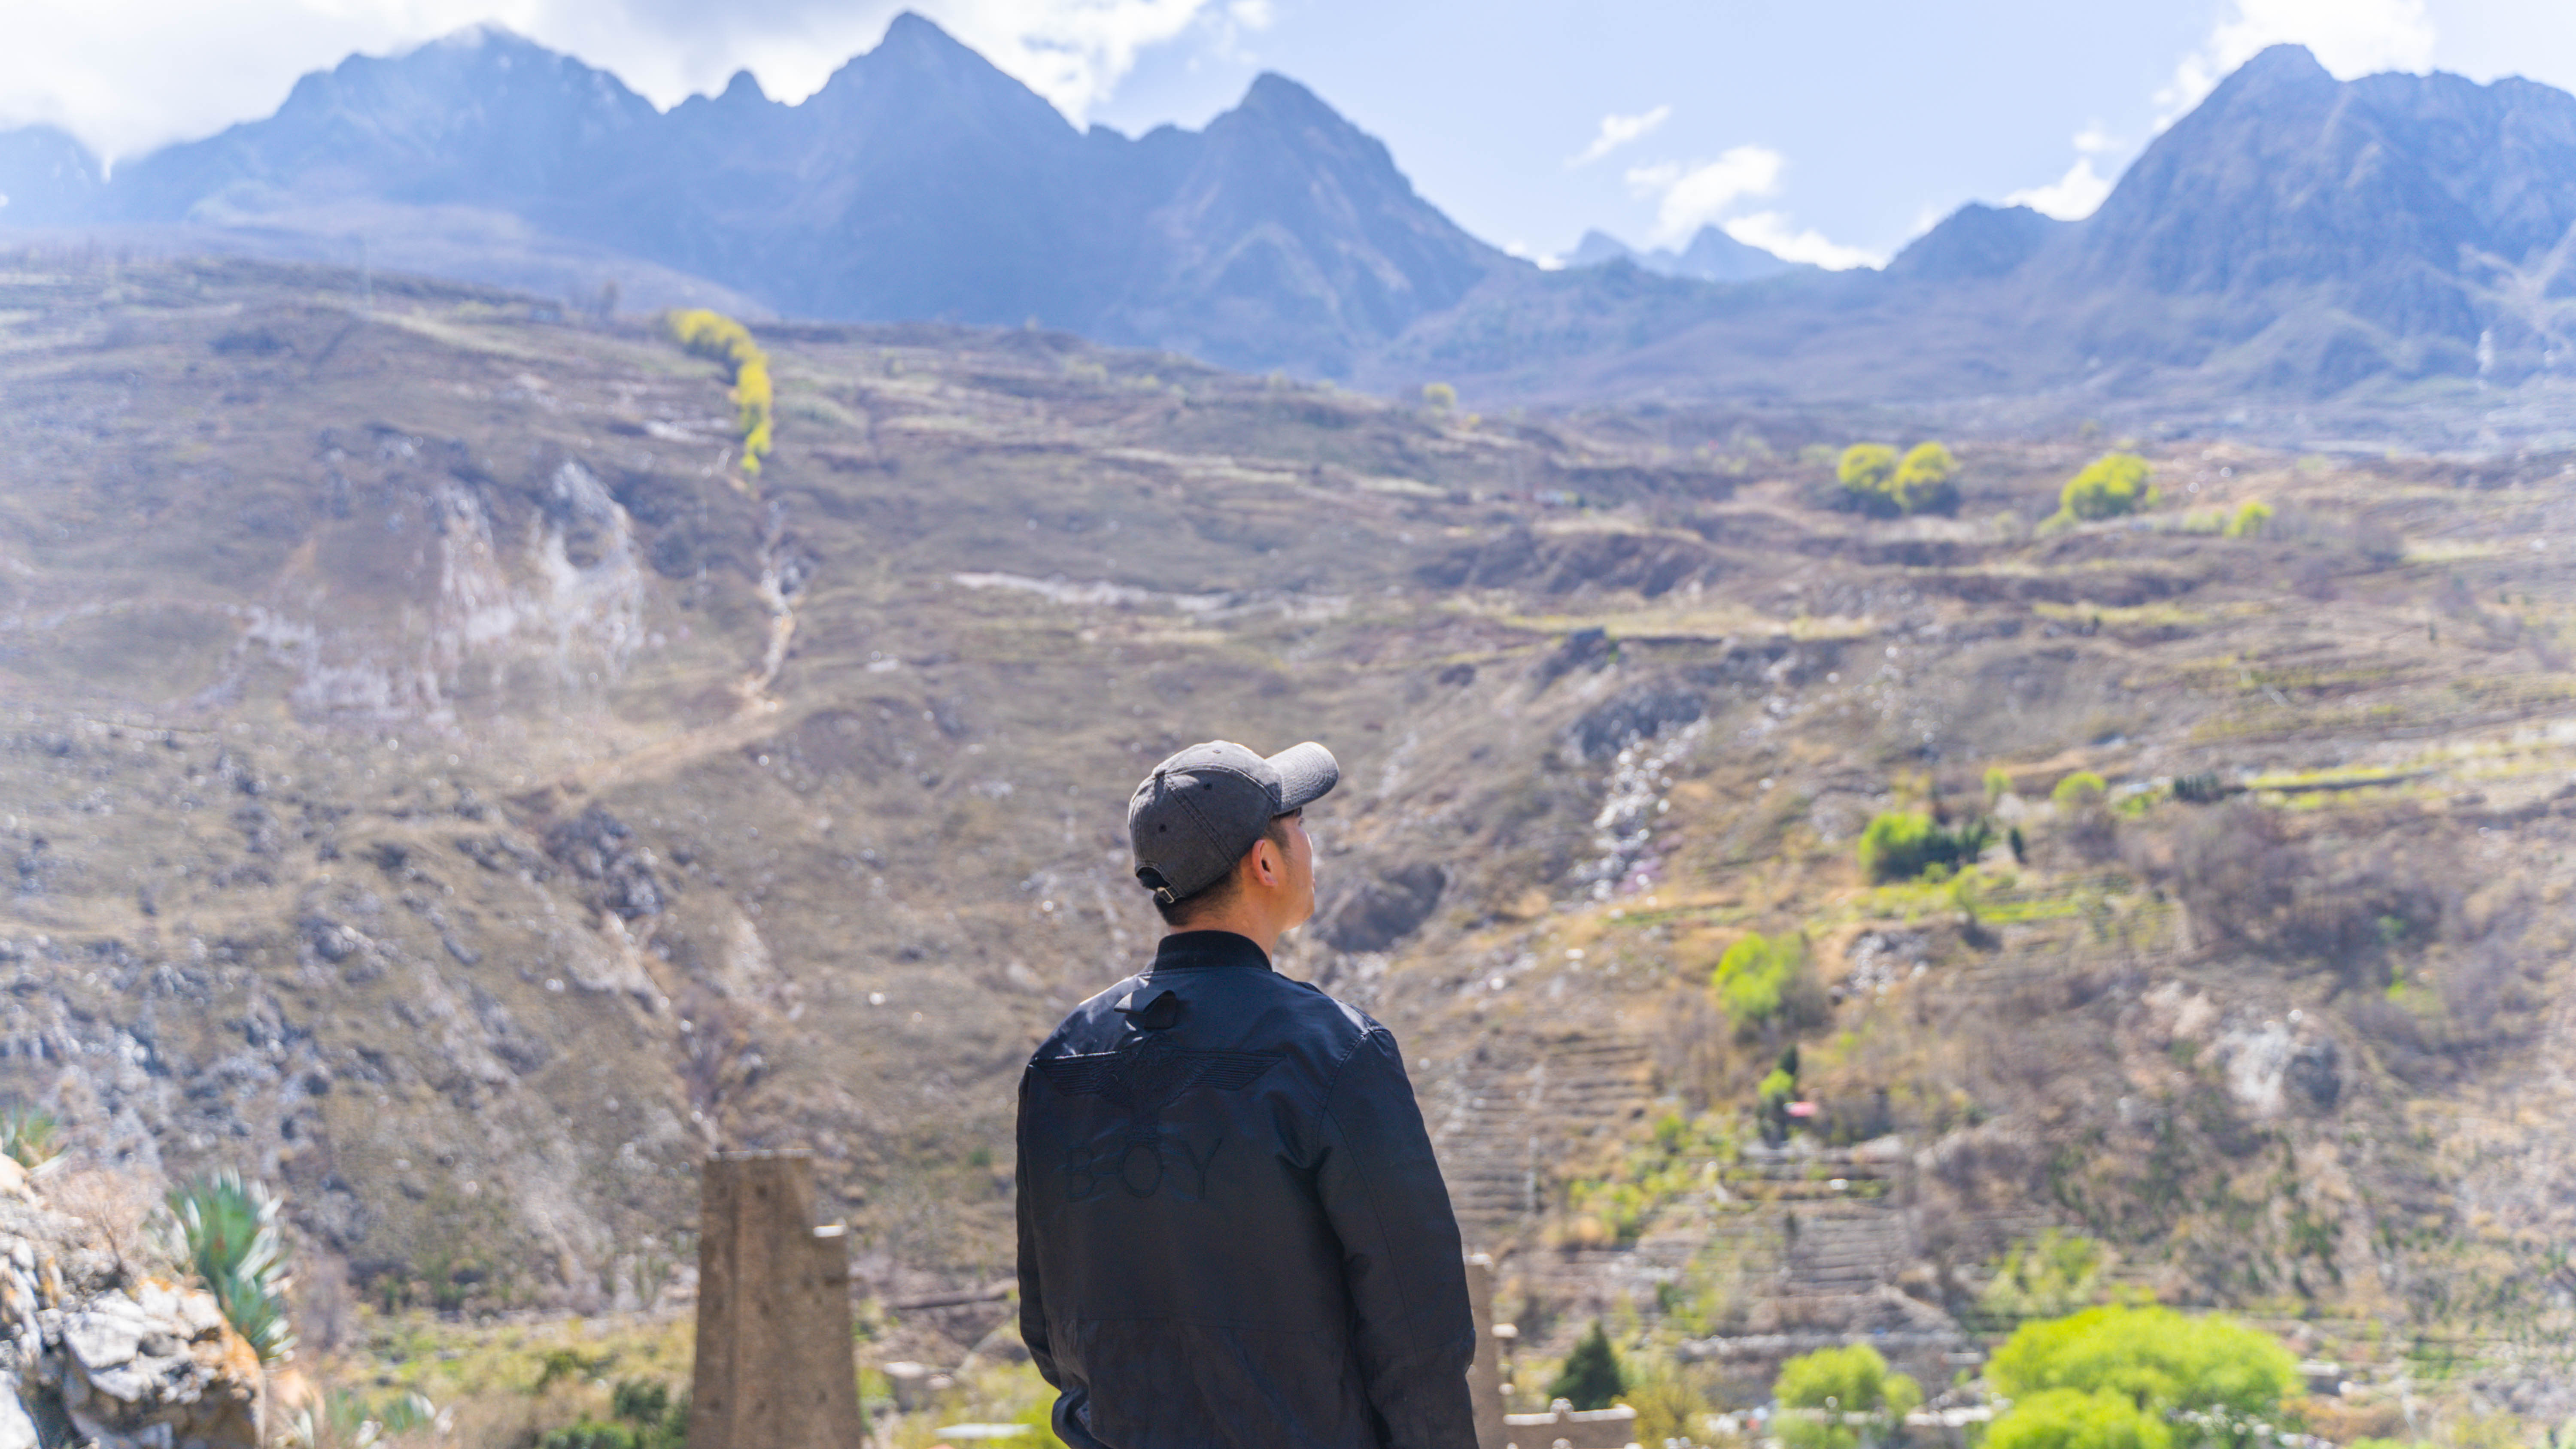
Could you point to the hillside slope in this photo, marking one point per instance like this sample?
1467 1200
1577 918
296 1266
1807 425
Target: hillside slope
438 780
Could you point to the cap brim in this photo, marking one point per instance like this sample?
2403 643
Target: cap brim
1307 773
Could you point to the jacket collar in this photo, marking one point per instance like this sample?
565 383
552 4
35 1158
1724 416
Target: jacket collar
1190 950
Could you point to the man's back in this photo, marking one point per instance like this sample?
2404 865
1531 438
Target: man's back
1232 1227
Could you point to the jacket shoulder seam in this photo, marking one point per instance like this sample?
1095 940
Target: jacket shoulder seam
1333 1081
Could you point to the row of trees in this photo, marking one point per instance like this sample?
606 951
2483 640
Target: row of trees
2116 1377
721 339
1879 481
2123 1376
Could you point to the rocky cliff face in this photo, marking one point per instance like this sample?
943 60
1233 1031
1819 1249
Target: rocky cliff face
96 1348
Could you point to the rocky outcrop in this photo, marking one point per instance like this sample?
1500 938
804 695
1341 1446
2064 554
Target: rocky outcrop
94 1351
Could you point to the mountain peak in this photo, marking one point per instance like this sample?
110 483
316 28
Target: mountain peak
2287 59
1270 90
1976 243
2284 69
914 33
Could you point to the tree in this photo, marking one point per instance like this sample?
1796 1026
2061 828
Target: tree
1592 1377
2153 1358
1998 785
2250 517
1440 397
1833 1383
721 339
2109 486
1754 976
1876 481
1922 483
2082 790
2052 1274
1900 845
1867 469
2073 1419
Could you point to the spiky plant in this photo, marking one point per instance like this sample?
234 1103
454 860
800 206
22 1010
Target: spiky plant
30 1137
227 1226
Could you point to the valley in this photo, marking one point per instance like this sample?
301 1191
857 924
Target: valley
441 781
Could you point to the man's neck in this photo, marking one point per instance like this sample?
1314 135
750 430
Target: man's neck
1248 924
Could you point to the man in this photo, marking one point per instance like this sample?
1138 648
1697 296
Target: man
1232 1229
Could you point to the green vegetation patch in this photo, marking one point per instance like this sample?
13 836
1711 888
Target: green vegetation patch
1907 845
1592 1377
1843 1398
1759 977
2132 1375
1876 481
226 1227
717 337
2109 486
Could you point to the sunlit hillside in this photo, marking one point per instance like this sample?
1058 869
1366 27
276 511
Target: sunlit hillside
443 781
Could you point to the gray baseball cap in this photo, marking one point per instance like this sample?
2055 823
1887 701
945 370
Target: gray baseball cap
1200 810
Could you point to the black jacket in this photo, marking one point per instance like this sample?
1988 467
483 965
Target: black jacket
1232 1228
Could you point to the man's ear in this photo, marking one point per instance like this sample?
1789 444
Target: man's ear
1268 868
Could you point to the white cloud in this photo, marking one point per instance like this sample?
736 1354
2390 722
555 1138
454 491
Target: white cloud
2079 192
1690 197
1774 233
1073 52
2071 197
2350 38
128 75
1618 131
1694 196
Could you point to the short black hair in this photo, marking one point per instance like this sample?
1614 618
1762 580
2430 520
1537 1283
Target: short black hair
1221 890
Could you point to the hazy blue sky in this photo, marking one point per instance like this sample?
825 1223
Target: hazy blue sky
1830 129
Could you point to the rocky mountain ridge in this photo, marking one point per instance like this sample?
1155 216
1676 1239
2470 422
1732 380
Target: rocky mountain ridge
919 182
2395 240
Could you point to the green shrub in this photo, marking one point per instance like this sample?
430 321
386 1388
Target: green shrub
1902 845
2072 1419
1998 784
1667 1409
1757 975
1833 1382
1591 1377
1867 469
227 1229
1777 1086
1439 397
30 1137
1876 481
2160 1360
2250 517
2079 791
2109 486
2204 788
2052 1274
1923 480
643 1417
